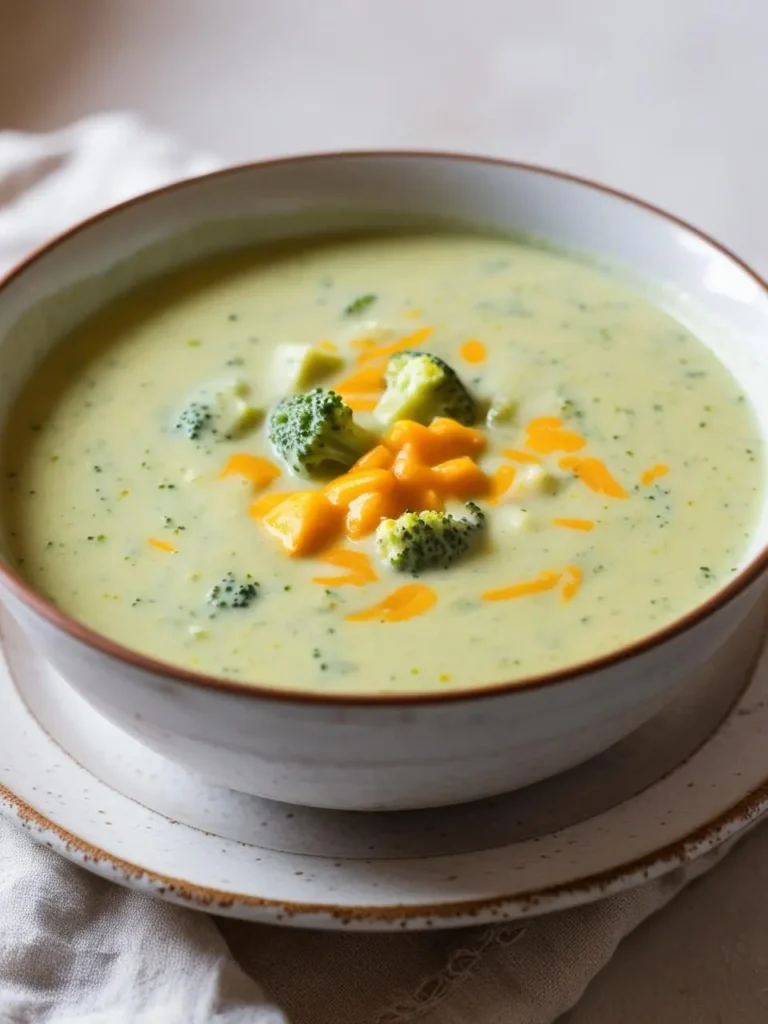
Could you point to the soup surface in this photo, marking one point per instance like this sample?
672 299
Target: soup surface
618 471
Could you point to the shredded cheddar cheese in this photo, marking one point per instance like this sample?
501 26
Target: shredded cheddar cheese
161 545
547 434
546 580
647 478
501 481
261 472
362 382
359 564
595 474
402 604
515 455
473 351
575 524
572 582
381 353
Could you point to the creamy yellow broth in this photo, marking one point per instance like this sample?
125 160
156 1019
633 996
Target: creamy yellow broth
126 524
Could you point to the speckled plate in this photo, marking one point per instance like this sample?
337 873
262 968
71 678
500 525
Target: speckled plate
692 778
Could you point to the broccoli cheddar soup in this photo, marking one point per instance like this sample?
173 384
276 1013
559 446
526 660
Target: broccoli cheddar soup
392 463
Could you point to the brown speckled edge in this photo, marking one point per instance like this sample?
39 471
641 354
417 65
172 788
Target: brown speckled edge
562 896
79 631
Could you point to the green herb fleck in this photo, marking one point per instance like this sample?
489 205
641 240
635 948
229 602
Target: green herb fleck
360 305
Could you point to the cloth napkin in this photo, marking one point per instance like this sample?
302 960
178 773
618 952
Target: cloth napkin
75 949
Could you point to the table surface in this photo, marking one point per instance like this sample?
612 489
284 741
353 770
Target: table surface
662 99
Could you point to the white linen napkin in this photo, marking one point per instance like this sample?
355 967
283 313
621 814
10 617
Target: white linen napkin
75 949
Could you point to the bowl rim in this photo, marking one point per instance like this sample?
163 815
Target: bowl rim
82 633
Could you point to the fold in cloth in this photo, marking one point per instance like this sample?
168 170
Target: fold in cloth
75 949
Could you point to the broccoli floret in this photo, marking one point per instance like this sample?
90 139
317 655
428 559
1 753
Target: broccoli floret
314 431
194 420
418 541
421 386
233 593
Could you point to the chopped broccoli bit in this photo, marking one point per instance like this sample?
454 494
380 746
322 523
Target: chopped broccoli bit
503 410
360 305
421 386
222 411
194 420
297 367
418 541
233 593
315 431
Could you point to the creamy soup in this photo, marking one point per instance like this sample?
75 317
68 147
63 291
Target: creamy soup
613 463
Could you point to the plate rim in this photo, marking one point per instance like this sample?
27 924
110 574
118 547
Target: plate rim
740 813
562 896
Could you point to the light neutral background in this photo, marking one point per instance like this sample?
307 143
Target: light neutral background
664 98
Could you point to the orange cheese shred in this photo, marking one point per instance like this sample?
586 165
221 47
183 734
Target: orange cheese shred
363 344
473 351
359 403
359 564
402 604
575 524
460 478
547 434
403 432
259 508
161 545
546 580
261 472
660 469
379 354
304 522
366 511
326 345
346 488
409 468
379 457
370 378
517 456
572 583
429 501
595 474
501 481
456 439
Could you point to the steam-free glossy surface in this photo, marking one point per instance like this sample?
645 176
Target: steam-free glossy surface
99 469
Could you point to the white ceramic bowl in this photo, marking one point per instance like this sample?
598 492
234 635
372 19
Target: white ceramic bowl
362 752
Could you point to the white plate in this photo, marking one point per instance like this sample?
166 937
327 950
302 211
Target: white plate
675 789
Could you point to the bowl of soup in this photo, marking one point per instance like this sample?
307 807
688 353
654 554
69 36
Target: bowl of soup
382 480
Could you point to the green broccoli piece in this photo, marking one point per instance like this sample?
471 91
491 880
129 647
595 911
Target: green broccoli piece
233 593
360 305
421 386
194 420
315 431
418 541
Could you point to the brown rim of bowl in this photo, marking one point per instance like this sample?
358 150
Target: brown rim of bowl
79 631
